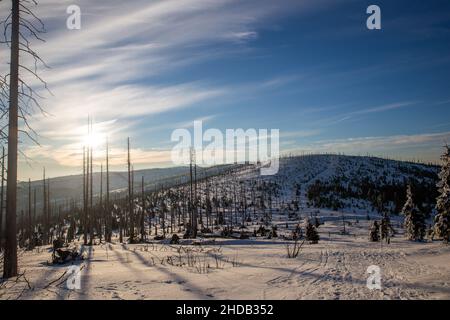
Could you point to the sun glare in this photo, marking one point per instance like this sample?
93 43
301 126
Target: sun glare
94 139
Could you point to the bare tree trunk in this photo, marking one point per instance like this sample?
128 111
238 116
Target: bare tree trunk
1 198
10 256
102 215
91 194
108 211
84 197
88 213
234 205
120 226
21 233
207 205
34 206
143 213
30 223
193 209
196 204
49 211
44 212
130 197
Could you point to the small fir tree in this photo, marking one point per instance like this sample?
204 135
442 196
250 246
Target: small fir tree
311 233
414 222
441 220
386 228
374 233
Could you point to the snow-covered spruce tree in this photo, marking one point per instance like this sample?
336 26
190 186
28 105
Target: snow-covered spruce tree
386 228
441 220
414 219
311 233
407 211
374 233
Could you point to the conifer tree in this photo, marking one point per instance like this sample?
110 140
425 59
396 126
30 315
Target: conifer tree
414 220
374 234
386 228
311 233
441 220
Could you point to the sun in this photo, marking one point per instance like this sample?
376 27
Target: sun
93 139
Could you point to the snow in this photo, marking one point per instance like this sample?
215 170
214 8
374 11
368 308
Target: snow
258 268
335 268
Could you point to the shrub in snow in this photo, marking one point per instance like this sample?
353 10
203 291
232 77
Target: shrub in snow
294 250
175 239
274 232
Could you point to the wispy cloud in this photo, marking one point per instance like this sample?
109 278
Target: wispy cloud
427 146
279 81
382 108
126 67
342 117
70 155
109 69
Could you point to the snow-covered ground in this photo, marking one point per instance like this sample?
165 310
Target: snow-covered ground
335 268
257 268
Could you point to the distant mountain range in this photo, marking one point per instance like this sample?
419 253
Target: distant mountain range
69 188
333 181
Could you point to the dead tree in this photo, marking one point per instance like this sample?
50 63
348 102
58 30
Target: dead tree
101 216
196 200
91 211
132 199
30 223
84 198
22 98
21 230
44 212
88 213
121 223
2 197
130 196
49 214
192 232
108 227
208 208
143 212
34 207
10 255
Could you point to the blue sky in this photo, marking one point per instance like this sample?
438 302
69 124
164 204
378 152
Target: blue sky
309 68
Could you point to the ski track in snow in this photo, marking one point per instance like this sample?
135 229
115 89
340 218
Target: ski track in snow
327 270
